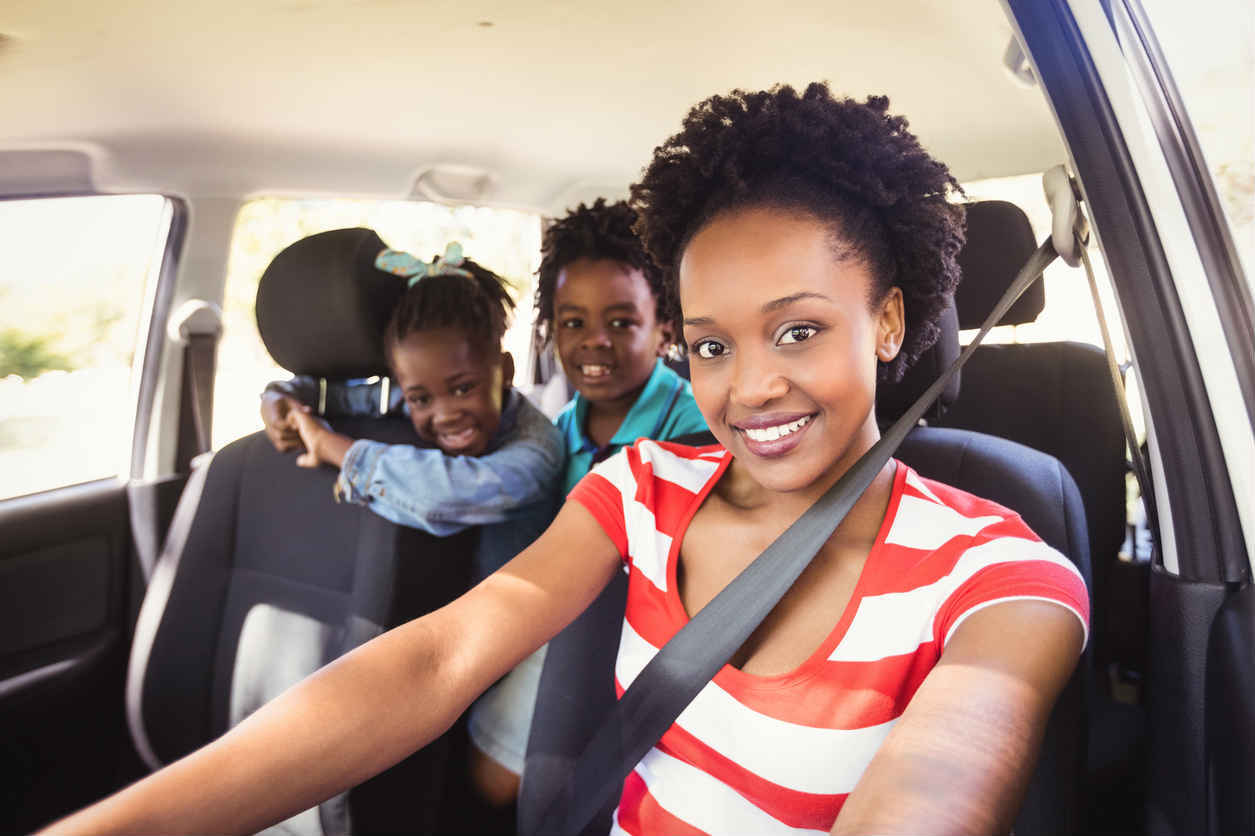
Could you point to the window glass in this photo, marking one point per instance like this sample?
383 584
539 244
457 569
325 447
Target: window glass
1210 50
74 279
505 241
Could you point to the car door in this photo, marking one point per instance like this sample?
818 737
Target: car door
84 277
1186 304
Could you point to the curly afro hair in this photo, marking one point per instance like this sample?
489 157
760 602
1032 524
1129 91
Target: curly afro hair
847 163
601 231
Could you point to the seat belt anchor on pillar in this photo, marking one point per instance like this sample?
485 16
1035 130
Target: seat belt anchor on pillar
1069 232
196 325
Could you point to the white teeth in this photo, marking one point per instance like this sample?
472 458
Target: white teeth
595 371
778 431
459 437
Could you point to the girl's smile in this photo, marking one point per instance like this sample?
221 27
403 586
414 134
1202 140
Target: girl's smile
455 391
784 335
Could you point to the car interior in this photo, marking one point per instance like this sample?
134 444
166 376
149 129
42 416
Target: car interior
145 610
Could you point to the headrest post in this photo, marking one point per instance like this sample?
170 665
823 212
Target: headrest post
322 396
385 400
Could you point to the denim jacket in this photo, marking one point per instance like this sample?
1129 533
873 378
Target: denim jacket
511 490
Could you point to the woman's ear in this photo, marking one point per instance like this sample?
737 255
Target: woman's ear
890 325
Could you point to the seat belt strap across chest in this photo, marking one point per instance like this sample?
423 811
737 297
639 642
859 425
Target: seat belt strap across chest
681 669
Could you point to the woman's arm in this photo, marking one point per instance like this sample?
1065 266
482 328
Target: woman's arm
960 757
372 707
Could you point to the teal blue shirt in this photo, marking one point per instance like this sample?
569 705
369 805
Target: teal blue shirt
664 409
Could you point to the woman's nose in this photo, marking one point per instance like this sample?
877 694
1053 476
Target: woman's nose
756 381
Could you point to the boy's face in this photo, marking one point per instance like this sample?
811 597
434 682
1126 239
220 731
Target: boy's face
455 391
607 335
783 345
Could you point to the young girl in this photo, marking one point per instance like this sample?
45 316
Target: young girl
602 301
495 459
902 684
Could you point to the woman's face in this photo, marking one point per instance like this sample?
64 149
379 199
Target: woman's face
784 338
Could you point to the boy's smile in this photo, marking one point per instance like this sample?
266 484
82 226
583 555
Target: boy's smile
607 332
784 339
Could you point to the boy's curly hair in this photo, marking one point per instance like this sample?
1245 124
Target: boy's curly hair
479 307
601 231
845 162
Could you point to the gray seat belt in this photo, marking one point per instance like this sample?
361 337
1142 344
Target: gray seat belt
196 325
681 669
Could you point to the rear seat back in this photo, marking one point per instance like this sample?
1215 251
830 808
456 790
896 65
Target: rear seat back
274 578
1056 397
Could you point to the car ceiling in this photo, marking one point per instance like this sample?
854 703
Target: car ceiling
551 102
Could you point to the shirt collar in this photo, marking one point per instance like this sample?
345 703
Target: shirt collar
644 418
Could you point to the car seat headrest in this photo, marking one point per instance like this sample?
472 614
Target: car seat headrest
893 399
322 306
999 242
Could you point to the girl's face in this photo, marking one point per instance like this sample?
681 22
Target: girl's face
784 340
608 334
455 391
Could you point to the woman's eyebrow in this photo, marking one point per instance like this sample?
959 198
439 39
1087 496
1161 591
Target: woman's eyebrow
699 321
785 301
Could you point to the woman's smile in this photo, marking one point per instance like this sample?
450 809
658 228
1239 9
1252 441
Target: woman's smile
773 435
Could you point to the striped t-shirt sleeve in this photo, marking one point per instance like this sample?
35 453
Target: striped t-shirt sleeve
604 500
1011 568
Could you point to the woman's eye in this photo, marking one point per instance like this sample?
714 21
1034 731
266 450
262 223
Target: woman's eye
797 334
620 323
572 322
419 400
709 349
463 388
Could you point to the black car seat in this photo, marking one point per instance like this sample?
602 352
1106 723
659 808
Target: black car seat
273 579
577 685
1058 397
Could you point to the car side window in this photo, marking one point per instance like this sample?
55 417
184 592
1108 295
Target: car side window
1213 66
75 280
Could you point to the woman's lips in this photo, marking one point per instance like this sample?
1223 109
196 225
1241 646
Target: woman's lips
771 436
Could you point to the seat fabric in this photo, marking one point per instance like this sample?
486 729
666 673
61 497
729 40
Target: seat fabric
276 579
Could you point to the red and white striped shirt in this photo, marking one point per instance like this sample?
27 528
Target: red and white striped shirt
779 754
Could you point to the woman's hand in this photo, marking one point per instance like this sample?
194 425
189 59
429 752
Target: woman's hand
276 408
323 445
